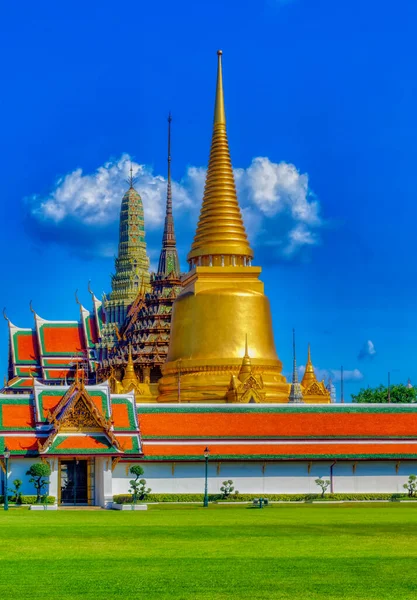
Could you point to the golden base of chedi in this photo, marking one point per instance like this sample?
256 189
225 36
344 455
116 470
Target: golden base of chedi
217 308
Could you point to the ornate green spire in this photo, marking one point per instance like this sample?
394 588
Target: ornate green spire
132 262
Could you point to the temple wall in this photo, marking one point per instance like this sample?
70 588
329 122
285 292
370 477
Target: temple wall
248 477
270 477
17 470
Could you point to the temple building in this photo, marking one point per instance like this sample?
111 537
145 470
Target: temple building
168 366
193 366
205 336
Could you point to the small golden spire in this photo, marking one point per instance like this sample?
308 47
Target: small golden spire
246 368
220 239
129 374
309 375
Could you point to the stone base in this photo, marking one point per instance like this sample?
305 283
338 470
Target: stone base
129 506
43 507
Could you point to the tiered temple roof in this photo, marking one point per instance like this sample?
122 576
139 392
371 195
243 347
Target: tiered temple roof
74 419
278 432
52 350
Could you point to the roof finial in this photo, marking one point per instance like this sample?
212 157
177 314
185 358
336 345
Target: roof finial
296 393
246 367
89 289
131 181
294 366
169 191
219 112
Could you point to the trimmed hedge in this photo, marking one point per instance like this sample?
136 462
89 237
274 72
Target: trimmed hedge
127 498
28 499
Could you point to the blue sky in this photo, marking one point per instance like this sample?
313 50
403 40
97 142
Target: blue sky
321 102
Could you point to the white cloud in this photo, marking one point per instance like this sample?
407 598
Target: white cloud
367 351
275 187
334 374
279 210
94 199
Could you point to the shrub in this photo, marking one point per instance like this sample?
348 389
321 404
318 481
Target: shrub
227 488
138 486
127 498
323 484
33 499
39 473
411 486
16 493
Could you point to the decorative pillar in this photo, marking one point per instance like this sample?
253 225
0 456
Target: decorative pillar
104 483
53 479
146 375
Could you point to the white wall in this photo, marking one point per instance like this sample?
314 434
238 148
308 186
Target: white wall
269 478
248 477
372 476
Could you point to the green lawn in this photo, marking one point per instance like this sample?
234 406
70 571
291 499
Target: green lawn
294 552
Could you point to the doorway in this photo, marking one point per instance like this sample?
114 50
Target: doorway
75 477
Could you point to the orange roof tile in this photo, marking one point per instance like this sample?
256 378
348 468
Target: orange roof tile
120 415
62 340
17 416
289 424
26 347
325 450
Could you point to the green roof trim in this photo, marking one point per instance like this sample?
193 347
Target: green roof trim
52 362
280 409
238 457
279 437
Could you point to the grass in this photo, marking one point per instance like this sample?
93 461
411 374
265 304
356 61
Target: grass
307 552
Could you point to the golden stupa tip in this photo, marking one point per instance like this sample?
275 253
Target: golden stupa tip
219 112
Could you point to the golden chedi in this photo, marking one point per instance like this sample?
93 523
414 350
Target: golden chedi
314 391
222 299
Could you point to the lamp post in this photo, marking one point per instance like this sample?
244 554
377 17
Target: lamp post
206 457
6 455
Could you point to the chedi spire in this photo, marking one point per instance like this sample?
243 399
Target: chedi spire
168 259
220 239
296 393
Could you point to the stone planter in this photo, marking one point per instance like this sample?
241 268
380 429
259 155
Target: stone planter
43 507
129 506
